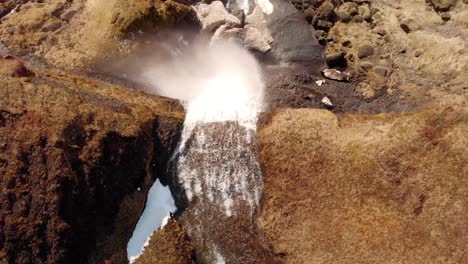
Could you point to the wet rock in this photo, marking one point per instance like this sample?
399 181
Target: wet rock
336 59
214 15
337 75
365 51
409 25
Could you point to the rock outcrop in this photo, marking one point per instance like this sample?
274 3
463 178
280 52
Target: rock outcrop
77 157
79 34
388 188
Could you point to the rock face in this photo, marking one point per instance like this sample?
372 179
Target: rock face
389 188
78 34
293 39
73 152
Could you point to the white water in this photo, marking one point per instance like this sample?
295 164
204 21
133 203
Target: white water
217 84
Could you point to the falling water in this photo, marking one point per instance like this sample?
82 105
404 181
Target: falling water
217 176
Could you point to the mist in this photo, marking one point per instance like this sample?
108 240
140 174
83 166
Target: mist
218 81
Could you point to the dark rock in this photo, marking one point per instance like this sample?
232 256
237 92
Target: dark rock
293 38
445 16
325 25
346 43
68 15
409 25
336 59
309 14
365 51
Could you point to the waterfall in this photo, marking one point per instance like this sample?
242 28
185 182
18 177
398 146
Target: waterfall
216 169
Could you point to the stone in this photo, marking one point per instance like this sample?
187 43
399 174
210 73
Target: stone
365 51
365 65
336 59
68 15
342 15
255 40
357 19
293 38
214 15
324 24
309 14
325 10
365 12
336 75
381 31
381 71
418 52
327 102
409 25
347 43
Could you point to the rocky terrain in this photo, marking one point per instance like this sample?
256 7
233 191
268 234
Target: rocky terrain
76 159
377 175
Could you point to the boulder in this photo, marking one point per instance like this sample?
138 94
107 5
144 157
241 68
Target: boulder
214 15
293 38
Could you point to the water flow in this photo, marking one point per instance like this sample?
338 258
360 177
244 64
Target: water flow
216 164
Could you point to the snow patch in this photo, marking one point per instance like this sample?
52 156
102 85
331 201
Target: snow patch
159 206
